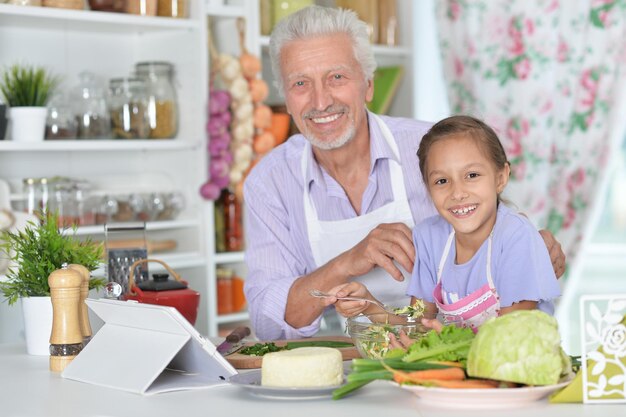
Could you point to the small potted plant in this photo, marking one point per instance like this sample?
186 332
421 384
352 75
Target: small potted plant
27 90
35 252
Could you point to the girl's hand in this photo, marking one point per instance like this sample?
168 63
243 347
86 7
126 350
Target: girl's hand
405 341
349 308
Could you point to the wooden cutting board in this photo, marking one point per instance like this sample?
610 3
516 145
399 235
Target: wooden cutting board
240 361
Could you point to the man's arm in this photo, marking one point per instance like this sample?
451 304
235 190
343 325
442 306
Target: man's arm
383 245
557 256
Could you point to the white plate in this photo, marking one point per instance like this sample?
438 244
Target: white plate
482 398
251 381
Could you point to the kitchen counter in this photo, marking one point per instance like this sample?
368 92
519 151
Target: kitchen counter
29 389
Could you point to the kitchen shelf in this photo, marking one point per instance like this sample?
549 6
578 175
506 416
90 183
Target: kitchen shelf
174 260
229 257
92 21
231 318
150 226
99 145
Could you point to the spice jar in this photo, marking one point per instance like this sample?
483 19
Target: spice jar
224 290
162 103
233 230
173 8
31 195
92 115
128 104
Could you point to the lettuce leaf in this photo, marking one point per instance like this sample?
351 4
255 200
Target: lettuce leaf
452 344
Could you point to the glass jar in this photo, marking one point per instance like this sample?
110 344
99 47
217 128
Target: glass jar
224 290
106 209
118 6
64 204
60 122
162 102
128 104
142 7
31 195
173 8
90 108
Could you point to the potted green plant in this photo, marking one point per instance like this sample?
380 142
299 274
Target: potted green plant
35 252
27 90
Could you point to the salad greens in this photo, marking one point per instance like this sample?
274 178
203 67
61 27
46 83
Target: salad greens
523 346
451 344
414 311
260 349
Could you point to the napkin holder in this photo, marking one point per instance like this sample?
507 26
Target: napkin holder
147 349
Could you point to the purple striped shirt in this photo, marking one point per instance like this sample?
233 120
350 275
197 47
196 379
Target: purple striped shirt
277 245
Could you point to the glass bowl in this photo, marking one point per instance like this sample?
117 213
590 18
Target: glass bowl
370 333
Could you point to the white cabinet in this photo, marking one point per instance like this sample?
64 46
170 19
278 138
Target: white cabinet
109 45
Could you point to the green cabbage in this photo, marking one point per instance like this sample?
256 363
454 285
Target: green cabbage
523 346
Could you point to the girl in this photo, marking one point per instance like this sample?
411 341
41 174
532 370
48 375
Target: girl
478 258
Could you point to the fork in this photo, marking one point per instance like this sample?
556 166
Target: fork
322 294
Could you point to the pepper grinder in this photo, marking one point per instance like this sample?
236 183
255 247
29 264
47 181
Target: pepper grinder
83 312
66 340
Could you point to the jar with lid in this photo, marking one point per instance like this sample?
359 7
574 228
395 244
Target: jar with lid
162 102
60 122
128 104
92 115
224 290
173 8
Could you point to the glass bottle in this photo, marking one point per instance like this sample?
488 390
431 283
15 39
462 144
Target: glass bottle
162 102
128 104
233 233
92 115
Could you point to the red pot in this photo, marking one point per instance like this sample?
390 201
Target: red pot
163 291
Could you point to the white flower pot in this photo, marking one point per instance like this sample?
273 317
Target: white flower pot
37 324
28 124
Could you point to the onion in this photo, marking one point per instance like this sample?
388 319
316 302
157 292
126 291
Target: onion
210 191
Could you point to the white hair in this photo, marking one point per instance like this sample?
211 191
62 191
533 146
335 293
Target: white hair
314 21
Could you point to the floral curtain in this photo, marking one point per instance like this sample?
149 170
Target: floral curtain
548 75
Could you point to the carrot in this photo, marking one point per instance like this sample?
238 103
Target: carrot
465 383
444 374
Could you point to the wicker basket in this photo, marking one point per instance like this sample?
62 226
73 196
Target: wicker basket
64 4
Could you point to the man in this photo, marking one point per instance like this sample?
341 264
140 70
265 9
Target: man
337 202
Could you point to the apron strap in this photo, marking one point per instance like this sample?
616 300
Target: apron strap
446 251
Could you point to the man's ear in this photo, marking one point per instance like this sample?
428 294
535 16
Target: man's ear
369 94
502 178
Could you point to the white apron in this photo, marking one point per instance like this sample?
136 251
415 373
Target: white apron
331 238
473 309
